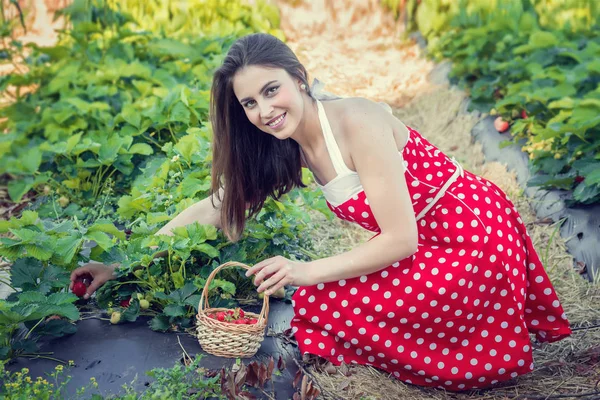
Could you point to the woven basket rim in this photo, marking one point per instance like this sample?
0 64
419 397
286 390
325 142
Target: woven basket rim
202 311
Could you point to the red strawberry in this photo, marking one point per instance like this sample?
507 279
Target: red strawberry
242 314
125 303
79 288
579 179
221 316
240 321
253 321
523 114
500 125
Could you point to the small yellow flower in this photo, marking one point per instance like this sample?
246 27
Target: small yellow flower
93 379
28 379
59 368
25 370
71 363
36 391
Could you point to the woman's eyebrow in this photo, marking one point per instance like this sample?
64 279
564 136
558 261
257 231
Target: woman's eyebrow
261 90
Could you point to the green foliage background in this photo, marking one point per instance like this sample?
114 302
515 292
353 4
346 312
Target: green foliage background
114 142
540 57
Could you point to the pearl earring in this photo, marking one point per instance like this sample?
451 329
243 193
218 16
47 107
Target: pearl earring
303 86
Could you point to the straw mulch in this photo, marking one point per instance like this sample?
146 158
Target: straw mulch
351 46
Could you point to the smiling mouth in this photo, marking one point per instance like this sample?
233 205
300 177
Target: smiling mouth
277 121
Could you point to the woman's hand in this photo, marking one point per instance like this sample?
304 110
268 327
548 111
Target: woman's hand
274 273
100 273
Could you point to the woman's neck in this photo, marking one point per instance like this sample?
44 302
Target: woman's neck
309 134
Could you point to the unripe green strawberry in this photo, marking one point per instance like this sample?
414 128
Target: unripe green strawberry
115 317
144 304
63 201
138 272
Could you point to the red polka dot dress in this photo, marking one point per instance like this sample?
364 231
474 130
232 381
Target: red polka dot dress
457 314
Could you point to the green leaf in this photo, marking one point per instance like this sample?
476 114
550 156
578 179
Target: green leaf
132 312
585 193
109 150
566 102
593 178
73 141
25 273
31 160
31 297
174 310
187 146
39 252
155 218
101 239
180 113
67 247
141 148
542 39
160 323
131 115
193 301
177 279
53 277
107 226
18 187
206 249
62 298
56 328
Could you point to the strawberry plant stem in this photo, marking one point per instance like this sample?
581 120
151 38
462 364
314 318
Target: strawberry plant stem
38 355
2 281
35 326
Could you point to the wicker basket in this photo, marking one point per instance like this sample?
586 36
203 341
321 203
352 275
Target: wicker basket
225 339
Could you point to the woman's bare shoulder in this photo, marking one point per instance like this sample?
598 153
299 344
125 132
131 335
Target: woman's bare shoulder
352 110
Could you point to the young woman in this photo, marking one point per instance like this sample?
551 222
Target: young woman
447 290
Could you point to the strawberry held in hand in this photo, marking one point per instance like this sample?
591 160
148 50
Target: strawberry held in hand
79 288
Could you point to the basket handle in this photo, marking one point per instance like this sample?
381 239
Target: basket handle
204 298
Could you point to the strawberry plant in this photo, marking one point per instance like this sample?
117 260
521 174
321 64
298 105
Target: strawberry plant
113 143
536 65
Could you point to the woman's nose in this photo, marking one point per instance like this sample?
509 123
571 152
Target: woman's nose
266 110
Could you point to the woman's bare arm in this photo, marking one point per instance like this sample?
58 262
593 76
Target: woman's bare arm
202 212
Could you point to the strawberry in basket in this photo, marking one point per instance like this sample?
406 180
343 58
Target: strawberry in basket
235 316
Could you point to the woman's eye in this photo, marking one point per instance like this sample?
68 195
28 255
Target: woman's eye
272 90
250 104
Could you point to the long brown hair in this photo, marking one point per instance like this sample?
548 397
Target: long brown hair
247 163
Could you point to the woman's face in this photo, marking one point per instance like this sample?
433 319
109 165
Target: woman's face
271 99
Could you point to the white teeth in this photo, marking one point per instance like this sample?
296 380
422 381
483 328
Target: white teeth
278 120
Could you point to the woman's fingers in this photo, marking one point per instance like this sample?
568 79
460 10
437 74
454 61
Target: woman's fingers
257 267
266 272
272 281
276 287
76 273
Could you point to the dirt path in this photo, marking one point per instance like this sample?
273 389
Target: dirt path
355 49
